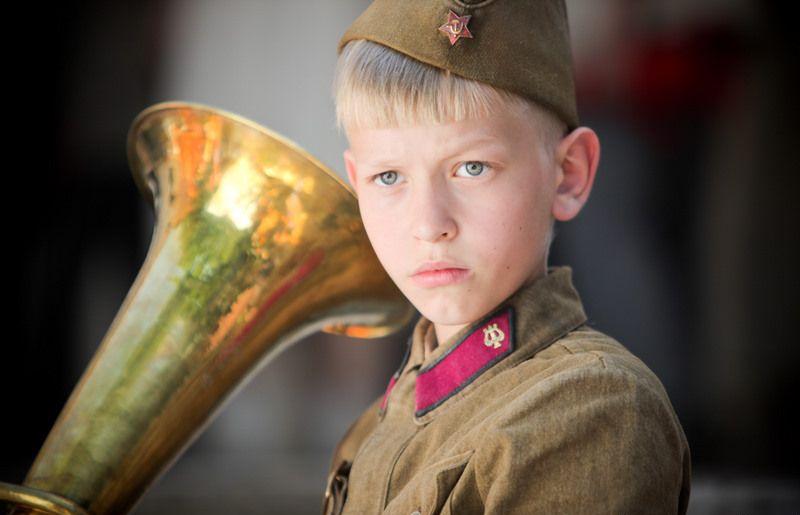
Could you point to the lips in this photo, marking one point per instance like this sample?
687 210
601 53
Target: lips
431 266
439 273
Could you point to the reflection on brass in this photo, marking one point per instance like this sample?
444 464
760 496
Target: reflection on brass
256 244
31 500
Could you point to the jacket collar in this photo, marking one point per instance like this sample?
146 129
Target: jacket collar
533 317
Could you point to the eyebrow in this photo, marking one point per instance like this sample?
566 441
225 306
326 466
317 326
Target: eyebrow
467 145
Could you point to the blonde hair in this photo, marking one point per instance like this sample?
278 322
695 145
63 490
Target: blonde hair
376 87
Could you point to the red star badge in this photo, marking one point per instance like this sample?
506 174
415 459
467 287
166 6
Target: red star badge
456 27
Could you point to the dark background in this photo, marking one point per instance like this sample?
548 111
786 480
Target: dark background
686 251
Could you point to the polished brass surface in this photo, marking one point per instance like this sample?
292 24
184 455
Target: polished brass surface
30 500
256 245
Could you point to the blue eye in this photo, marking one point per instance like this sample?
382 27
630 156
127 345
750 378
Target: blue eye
386 178
473 168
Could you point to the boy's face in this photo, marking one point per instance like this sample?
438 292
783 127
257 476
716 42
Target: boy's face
474 197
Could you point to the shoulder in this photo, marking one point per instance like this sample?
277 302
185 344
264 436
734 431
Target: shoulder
584 360
582 385
584 412
355 435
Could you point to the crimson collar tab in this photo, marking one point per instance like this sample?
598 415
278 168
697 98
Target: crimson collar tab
491 340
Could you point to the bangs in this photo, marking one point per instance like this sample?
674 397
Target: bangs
377 87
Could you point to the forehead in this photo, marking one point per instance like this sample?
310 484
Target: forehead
504 131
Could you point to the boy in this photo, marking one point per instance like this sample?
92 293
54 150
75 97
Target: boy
464 150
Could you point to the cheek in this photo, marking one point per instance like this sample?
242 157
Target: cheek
382 230
509 231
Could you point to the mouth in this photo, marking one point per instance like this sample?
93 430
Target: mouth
431 275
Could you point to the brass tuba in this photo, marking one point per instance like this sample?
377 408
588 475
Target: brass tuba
256 244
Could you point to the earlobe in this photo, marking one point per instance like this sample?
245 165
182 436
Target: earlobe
578 158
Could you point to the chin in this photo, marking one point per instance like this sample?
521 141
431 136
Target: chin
451 314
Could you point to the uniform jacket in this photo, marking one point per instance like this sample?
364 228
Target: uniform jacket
528 410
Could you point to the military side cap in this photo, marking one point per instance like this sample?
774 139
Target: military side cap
521 46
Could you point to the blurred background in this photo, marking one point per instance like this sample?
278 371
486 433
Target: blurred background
686 251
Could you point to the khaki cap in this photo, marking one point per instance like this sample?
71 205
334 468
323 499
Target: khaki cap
521 46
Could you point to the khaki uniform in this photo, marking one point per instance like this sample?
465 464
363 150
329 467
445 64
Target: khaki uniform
529 410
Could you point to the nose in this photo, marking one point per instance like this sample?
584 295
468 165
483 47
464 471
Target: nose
432 216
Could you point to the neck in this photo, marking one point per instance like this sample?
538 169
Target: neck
445 332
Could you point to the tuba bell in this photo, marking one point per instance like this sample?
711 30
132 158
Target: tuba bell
256 245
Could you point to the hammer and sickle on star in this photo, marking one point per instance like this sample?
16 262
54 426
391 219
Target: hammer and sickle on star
493 336
456 27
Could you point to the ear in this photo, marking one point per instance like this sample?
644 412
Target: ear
350 165
578 155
